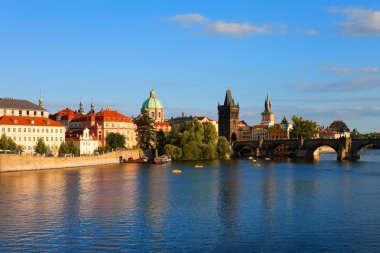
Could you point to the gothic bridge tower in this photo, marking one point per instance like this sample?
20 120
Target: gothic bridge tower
229 118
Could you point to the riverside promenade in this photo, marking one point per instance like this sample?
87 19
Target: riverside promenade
10 163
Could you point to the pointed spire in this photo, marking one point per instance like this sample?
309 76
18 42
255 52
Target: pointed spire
40 101
81 111
229 100
92 110
268 105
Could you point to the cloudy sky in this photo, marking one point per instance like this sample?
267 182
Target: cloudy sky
316 59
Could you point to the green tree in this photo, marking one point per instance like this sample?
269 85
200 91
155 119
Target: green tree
223 147
4 145
303 128
145 131
63 150
160 142
173 151
210 134
41 147
355 134
115 140
71 148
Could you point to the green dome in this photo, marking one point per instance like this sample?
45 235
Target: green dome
152 102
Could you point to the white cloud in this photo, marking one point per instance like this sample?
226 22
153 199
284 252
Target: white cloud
354 85
188 20
308 32
236 29
339 70
369 69
220 27
358 21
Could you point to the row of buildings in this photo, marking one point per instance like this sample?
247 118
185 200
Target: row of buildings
234 129
26 122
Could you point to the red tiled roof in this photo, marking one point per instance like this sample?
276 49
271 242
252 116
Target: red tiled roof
65 112
28 121
260 126
166 124
111 115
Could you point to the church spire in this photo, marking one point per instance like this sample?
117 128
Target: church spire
40 101
268 105
92 110
81 111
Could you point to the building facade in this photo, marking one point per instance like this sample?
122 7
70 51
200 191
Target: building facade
26 122
229 118
100 124
86 142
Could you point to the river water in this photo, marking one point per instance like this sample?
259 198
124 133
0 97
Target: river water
227 206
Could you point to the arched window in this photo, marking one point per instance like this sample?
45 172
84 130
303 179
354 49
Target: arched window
152 115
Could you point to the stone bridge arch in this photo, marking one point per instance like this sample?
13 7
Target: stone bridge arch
243 148
340 146
269 146
359 144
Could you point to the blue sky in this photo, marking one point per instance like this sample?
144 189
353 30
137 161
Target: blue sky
316 59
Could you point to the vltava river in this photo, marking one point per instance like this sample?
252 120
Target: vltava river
227 206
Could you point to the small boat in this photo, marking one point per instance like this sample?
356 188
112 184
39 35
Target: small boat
257 164
198 166
267 159
250 158
254 160
176 171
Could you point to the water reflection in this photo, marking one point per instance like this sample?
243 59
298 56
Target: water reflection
227 206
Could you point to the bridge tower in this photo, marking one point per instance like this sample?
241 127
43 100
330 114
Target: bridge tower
229 118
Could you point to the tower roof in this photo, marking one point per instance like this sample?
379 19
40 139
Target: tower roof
229 99
267 105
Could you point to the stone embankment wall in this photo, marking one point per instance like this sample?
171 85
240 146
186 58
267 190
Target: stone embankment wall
21 163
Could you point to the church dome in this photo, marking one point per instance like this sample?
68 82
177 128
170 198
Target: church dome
339 126
152 102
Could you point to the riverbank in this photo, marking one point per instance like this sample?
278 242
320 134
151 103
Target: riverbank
10 163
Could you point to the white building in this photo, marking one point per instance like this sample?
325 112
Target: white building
86 143
26 122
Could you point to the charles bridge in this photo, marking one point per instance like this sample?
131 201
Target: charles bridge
345 148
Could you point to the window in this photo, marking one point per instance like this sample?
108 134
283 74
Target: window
14 130
29 139
42 113
60 138
20 113
27 114
3 130
24 138
24 130
152 115
35 113
159 114
13 112
29 130
38 130
19 130
34 130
